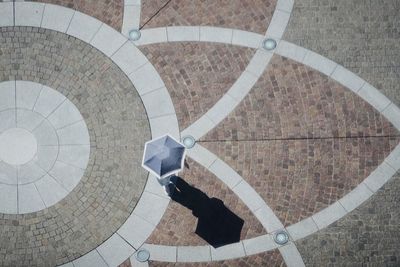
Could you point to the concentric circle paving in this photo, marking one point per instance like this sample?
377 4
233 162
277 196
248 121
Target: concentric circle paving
112 182
41 130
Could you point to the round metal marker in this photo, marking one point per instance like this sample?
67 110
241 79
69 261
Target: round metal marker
188 141
281 238
134 35
269 44
142 255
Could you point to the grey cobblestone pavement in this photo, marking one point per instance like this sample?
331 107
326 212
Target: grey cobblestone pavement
118 128
361 35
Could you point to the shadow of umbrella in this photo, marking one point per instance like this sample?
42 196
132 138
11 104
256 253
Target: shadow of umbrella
216 224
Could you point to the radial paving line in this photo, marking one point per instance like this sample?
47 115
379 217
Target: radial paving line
131 18
156 100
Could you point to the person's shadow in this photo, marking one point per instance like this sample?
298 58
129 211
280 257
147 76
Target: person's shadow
216 224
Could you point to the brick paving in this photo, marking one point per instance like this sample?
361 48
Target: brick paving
118 128
361 35
197 74
107 11
178 225
270 258
249 15
369 236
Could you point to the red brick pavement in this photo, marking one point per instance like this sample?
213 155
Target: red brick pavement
110 12
291 100
267 259
249 15
178 225
197 74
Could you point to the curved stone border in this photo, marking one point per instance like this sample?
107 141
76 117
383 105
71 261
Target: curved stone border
131 18
155 97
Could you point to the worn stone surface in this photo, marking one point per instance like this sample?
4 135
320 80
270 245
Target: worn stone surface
109 12
178 225
361 35
197 74
118 128
270 258
369 236
249 15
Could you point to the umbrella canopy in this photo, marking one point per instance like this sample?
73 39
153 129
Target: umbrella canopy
163 156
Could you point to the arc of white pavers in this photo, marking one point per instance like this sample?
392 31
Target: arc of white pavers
155 97
131 17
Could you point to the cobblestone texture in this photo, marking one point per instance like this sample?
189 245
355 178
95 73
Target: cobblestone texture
270 258
110 12
369 236
197 74
118 127
178 225
361 35
249 15
291 100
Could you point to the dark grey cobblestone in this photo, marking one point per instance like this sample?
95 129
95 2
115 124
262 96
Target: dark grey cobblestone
118 128
361 35
369 236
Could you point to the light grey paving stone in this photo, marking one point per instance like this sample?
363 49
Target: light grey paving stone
29 199
158 103
152 36
194 254
165 125
45 134
83 26
356 197
28 119
146 79
347 78
393 159
230 251
66 175
291 51
248 195
259 62
374 97
7 118
132 2
183 33
27 94
225 173
108 40
56 17
151 207
259 244
329 215
291 255
28 14
131 18
268 219
129 58
136 230
242 86
154 187
278 24
216 34
201 155
6 14
320 63
8 199
285 5
92 258
161 253
74 134
65 114
7 95
225 105
247 39
69 264
8 173
48 100
199 128
50 190
115 250
77 155
302 229
46 157
29 172
392 113
379 177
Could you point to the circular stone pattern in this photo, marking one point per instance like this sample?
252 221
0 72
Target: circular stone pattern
44 146
106 189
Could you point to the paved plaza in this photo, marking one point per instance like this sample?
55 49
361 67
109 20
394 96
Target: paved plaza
293 104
